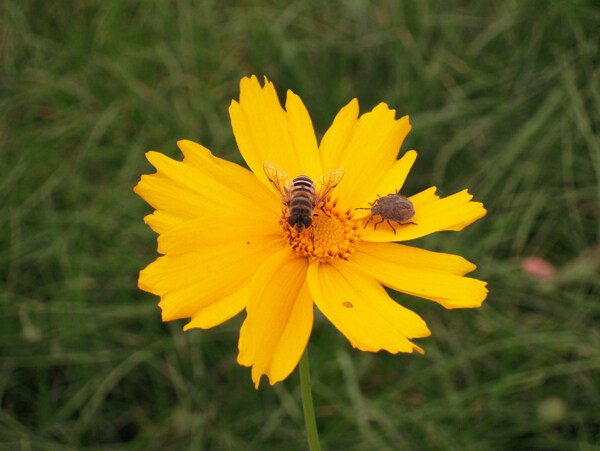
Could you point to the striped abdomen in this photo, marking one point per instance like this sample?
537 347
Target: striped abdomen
301 202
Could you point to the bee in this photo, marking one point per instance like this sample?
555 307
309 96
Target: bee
392 207
301 195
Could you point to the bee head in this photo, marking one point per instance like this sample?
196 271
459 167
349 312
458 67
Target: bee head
300 222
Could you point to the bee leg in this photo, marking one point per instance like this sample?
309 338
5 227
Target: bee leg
391 226
374 228
324 212
312 237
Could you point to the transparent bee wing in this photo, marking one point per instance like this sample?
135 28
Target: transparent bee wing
327 182
278 178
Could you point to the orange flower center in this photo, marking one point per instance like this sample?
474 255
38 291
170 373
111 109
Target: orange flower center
332 234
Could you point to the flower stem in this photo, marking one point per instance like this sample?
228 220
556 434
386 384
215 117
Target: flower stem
307 404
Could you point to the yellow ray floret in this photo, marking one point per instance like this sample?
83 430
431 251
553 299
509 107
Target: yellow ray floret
227 242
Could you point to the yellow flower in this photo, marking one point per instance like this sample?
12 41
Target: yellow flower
227 247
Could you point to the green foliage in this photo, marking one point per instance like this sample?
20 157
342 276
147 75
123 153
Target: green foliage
504 99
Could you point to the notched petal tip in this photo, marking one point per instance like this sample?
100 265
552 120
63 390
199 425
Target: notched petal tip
146 278
256 379
252 79
419 350
252 83
165 316
153 156
383 106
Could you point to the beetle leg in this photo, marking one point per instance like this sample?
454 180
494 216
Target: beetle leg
378 223
388 221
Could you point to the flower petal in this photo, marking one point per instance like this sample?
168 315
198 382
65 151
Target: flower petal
190 281
432 214
233 175
161 221
214 217
280 315
339 135
264 131
413 257
218 312
362 310
421 273
186 192
245 233
391 182
365 148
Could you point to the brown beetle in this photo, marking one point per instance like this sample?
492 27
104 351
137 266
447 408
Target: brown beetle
392 207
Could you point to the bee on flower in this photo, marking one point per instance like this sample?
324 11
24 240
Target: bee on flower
300 243
301 196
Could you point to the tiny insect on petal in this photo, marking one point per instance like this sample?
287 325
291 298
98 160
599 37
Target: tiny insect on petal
392 207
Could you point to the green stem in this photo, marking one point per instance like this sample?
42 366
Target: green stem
307 404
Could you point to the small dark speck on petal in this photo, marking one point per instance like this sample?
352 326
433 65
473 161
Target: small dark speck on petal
247 242
347 304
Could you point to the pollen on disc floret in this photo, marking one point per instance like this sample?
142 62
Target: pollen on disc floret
333 232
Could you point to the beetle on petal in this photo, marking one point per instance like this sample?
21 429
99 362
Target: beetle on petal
392 207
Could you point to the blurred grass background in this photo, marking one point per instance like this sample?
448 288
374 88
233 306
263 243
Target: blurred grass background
504 99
